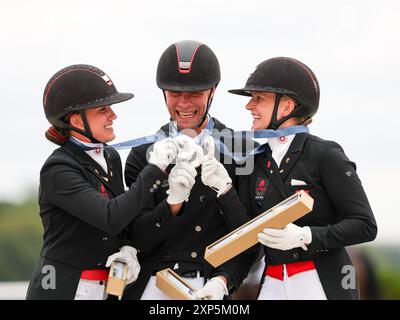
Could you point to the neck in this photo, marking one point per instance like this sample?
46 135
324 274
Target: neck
79 136
193 132
289 123
201 128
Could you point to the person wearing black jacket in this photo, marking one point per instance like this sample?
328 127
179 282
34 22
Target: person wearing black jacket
82 202
171 232
307 259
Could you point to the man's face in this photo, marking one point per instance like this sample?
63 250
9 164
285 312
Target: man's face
100 121
187 108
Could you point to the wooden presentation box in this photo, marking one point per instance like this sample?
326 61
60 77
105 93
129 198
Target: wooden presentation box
174 286
239 240
116 279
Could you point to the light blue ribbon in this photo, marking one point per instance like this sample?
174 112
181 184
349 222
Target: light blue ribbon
222 148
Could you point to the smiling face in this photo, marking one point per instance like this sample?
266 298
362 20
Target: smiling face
187 108
261 106
100 121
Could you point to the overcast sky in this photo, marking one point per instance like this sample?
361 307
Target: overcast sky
352 46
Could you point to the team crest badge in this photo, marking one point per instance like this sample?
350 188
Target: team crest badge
261 189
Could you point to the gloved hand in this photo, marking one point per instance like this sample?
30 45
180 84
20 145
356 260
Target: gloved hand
290 237
188 150
213 173
180 180
127 255
164 152
214 289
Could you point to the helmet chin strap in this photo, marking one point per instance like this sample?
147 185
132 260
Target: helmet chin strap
209 100
275 123
86 131
165 99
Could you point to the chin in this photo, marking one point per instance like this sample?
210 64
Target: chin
108 139
186 125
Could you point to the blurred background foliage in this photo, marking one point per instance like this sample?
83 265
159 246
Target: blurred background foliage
21 233
20 239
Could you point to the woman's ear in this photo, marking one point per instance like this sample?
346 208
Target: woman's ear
76 121
287 106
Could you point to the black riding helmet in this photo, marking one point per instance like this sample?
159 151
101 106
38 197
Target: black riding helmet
188 66
285 76
75 89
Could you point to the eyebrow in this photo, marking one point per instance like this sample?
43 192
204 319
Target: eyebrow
102 108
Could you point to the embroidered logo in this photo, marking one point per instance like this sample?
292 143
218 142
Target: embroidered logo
261 189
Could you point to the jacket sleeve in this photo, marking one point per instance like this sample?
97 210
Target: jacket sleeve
234 212
236 215
67 188
237 269
135 162
343 187
150 226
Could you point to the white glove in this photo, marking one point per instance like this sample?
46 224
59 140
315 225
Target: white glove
127 255
189 151
214 289
290 237
213 173
164 152
180 180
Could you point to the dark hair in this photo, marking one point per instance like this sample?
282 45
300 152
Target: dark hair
57 135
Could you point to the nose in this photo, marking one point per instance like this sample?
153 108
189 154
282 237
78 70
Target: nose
250 105
111 114
184 99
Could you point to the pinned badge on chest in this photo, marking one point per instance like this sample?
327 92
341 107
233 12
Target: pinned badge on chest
260 189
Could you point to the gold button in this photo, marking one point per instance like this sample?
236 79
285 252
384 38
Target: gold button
193 254
281 171
97 171
287 160
197 228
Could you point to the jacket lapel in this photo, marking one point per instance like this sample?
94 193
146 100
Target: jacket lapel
292 155
115 180
279 175
92 166
267 164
